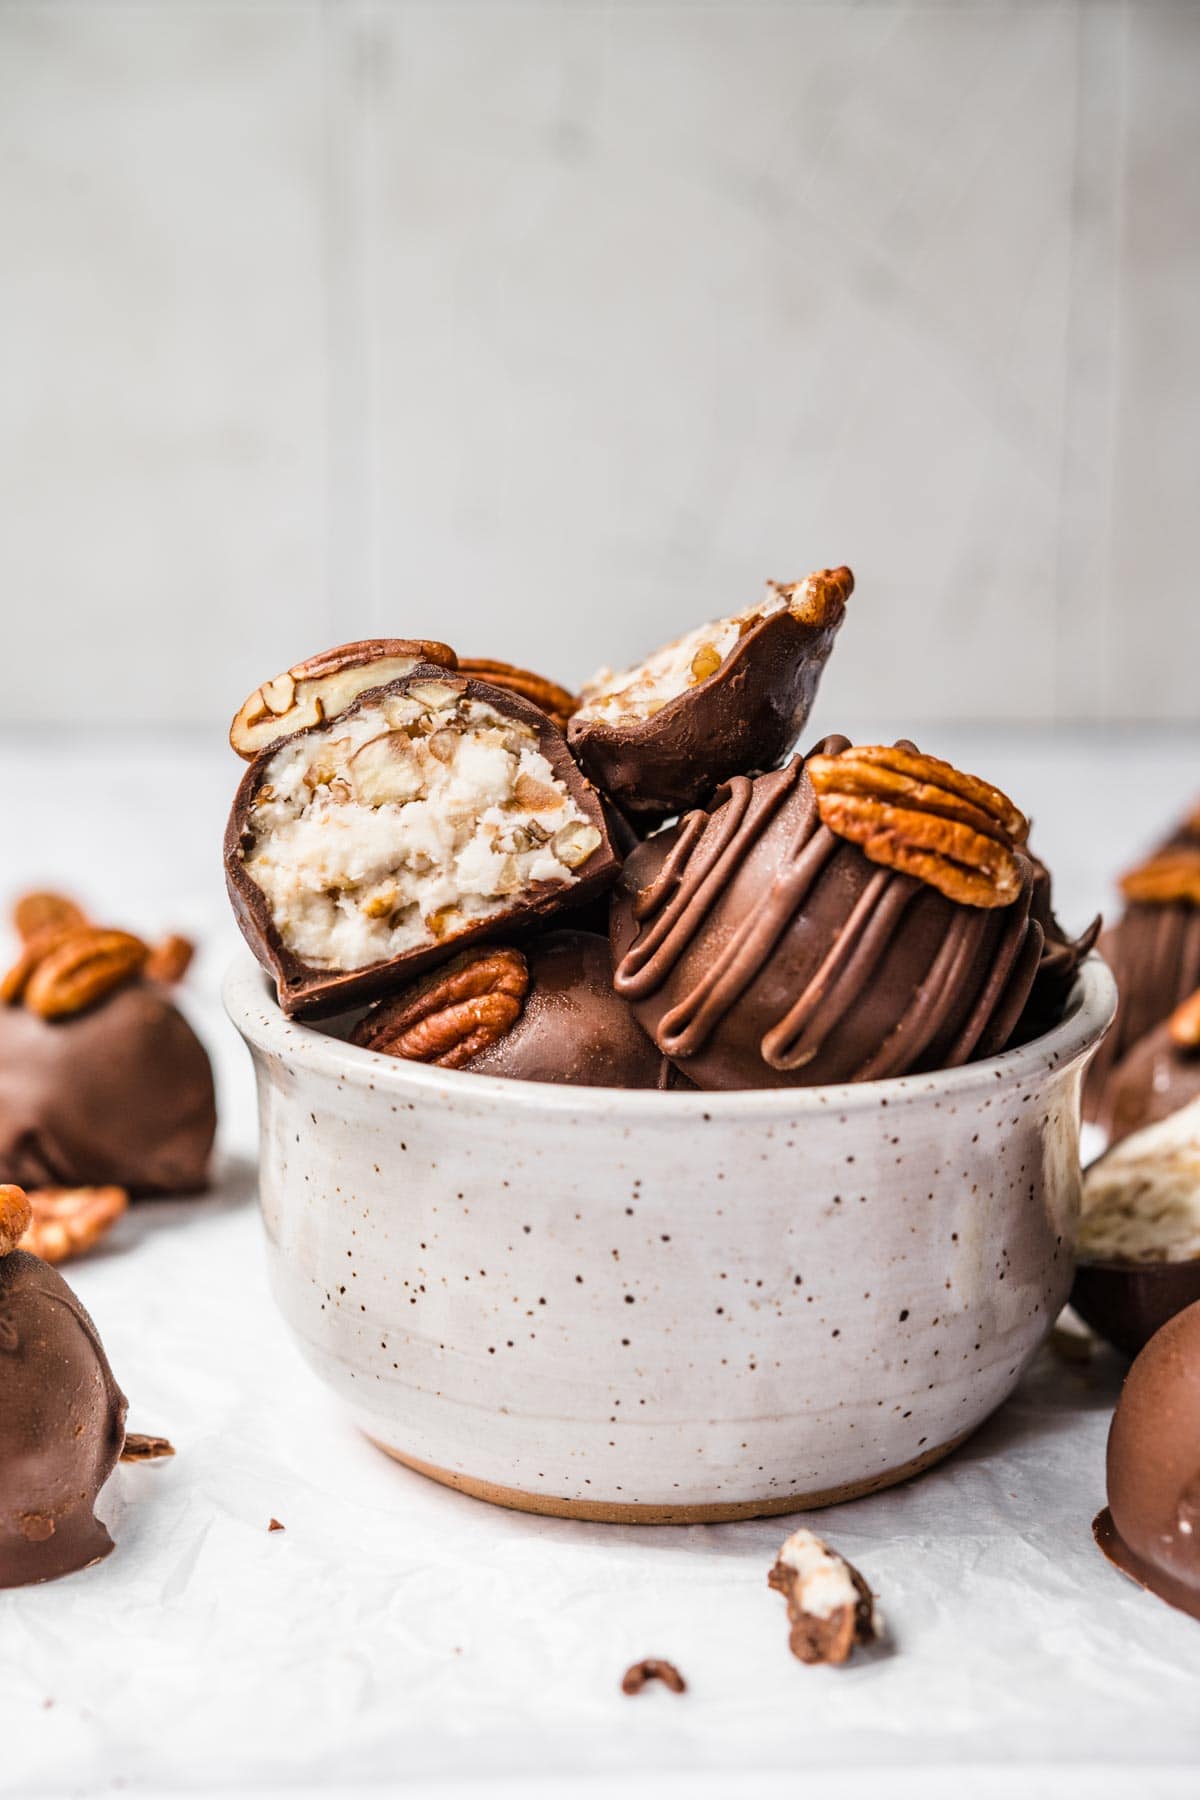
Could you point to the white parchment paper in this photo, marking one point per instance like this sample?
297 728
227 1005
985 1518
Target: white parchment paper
399 1637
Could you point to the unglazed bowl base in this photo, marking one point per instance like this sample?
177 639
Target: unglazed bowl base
617 1512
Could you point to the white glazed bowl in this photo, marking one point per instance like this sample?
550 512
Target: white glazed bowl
663 1307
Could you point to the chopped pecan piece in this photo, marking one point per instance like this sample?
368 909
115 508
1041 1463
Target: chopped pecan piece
652 1668
140 1448
830 1608
449 1016
325 685
170 959
923 817
15 1215
66 1222
1184 1024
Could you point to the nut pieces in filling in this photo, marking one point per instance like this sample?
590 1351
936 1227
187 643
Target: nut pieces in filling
431 812
325 685
729 698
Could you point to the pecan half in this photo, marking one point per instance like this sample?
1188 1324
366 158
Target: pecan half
1170 878
66 1222
326 685
652 1668
33 953
830 1608
449 1016
15 1215
923 817
82 968
140 1448
170 959
546 695
1184 1026
43 910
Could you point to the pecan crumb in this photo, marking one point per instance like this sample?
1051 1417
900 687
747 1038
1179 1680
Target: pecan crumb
169 959
830 1608
15 1216
139 1448
652 1668
276 1526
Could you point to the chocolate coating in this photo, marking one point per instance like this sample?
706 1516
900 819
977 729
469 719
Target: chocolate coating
62 1425
573 1028
1151 1526
306 991
1126 1302
745 716
1152 1080
760 950
120 1095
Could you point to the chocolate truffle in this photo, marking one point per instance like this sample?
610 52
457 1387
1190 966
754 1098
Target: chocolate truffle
1139 1233
120 1094
1157 1077
62 1424
1151 1526
544 1013
761 948
1153 950
435 811
728 698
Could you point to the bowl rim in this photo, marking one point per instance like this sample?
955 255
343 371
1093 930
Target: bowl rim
250 1003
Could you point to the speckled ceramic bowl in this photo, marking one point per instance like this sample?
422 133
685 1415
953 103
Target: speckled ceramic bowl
660 1307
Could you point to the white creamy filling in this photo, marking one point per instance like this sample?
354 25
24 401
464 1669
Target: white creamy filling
642 691
825 1584
396 828
1141 1201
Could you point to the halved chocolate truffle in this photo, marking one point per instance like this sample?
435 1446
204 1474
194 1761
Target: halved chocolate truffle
1139 1233
728 698
760 947
62 1424
546 1012
434 811
1151 1526
120 1094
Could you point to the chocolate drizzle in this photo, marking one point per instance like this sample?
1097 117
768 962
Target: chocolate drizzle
831 937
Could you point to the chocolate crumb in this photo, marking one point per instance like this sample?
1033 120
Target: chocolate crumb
139 1448
276 1526
830 1608
652 1668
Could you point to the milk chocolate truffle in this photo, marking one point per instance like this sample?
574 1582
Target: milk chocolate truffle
435 811
761 947
544 1013
1139 1233
120 1094
1157 1077
62 1424
1151 1526
1153 950
728 698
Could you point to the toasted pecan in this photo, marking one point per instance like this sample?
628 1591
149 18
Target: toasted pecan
652 1668
82 968
450 1015
140 1447
67 1222
15 1216
1170 878
324 685
43 910
556 702
34 952
820 599
923 817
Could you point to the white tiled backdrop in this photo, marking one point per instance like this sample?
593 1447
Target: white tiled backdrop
552 328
